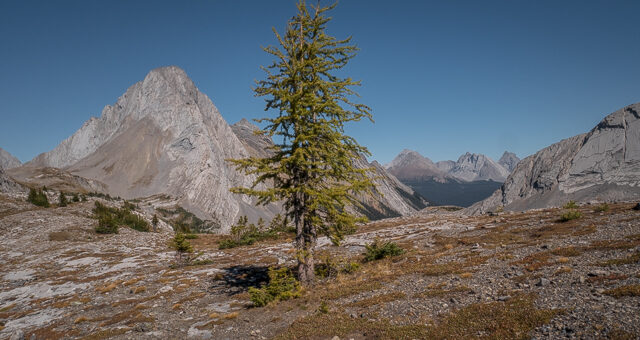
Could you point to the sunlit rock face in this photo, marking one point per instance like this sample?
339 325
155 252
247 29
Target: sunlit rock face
601 165
164 136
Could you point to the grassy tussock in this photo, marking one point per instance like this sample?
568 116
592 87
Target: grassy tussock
622 291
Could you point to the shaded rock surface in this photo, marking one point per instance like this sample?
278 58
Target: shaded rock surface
509 160
601 165
7 160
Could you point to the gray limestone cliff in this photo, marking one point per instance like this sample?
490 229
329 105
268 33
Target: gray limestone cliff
8 161
601 165
7 184
163 136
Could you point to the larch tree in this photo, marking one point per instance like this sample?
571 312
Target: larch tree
311 168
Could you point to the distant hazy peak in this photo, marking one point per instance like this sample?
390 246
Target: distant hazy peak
474 167
407 156
509 160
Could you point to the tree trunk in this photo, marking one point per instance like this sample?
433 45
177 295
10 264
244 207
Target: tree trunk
306 252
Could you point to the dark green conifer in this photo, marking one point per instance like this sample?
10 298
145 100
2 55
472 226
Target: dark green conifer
62 200
311 168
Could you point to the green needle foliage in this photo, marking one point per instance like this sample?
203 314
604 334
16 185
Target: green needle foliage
183 248
38 197
62 200
311 168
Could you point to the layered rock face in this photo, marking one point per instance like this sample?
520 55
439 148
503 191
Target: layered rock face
391 199
163 136
8 161
475 167
509 160
7 184
602 165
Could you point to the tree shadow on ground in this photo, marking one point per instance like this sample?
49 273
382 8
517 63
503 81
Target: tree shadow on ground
238 279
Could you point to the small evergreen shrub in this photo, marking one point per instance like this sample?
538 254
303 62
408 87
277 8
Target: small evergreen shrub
119 216
377 250
106 225
38 197
191 236
570 215
62 200
182 247
602 208
570 205
324 308
331 267
154 222
282 286
75 198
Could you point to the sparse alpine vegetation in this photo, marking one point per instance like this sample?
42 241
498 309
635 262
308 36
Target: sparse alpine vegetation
377 250
38 197
244 233
183 249
569 215
109 218
282 286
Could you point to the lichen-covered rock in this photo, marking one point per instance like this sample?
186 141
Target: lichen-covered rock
601 165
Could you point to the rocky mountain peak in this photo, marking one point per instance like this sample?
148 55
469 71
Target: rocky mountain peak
474 167
406 157
602 165
509 160
7 160
410 165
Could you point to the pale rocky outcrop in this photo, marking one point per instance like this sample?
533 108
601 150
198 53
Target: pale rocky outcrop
7 160
601 165
7 184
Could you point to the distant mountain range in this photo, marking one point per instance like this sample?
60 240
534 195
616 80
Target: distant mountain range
165 137
470 179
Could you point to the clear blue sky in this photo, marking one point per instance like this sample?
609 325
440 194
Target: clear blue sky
442 77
